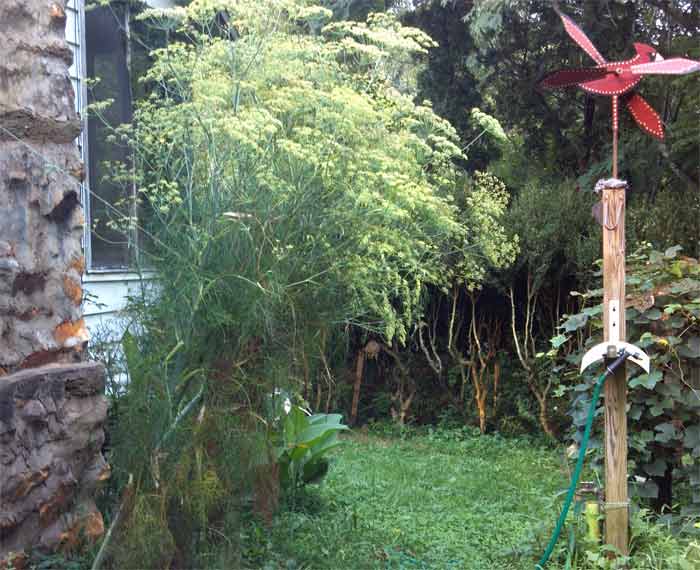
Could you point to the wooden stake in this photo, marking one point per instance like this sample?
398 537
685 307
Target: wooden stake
616 512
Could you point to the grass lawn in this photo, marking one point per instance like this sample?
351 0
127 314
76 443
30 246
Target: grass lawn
438 502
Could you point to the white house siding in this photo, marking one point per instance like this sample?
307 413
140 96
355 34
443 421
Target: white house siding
106 294
105 291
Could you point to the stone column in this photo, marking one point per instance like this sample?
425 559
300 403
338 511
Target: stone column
51 436
52 407
41 221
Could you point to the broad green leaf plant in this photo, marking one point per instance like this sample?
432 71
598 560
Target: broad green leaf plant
303 445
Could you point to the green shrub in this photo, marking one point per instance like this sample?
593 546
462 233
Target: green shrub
146 541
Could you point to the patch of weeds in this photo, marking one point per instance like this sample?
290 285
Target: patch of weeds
652 547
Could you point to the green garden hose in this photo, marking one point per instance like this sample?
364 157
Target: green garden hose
581 457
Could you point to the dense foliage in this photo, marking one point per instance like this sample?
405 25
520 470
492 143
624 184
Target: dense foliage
663 319
367 205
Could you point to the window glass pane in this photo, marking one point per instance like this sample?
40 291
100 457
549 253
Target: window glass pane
106 60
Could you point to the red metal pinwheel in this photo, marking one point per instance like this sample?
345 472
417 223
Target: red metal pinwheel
618 79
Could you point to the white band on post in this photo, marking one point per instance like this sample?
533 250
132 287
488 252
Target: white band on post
614 321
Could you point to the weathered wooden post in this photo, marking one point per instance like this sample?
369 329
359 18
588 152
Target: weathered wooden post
612 219
616 502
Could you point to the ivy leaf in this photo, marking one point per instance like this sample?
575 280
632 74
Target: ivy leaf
635 412
670 390
691 348
646 435
691 437
655 407
666 432
558 340
647 339
648 381
685 286
593 311
672 308
655 469
575 322
647 490
653 314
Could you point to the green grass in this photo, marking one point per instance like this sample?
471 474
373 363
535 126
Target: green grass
447 500
426 502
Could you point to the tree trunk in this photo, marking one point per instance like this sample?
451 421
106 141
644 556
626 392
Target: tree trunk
480 394
544 414
481 407
496 383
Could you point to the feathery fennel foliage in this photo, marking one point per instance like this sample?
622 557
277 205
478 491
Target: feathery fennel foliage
292 191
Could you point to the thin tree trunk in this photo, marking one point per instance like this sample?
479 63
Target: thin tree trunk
496 382
359 369
327 376
544 413
317 405
480 398
305 364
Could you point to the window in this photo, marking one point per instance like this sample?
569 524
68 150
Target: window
106 57
99 37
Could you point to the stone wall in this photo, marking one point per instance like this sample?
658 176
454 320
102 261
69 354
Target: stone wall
51 436
41 221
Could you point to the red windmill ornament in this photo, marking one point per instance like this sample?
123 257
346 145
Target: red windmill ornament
618 79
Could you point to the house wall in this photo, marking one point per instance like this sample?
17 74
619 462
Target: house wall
105 291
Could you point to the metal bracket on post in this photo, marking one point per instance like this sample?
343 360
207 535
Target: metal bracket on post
602 350
612 347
